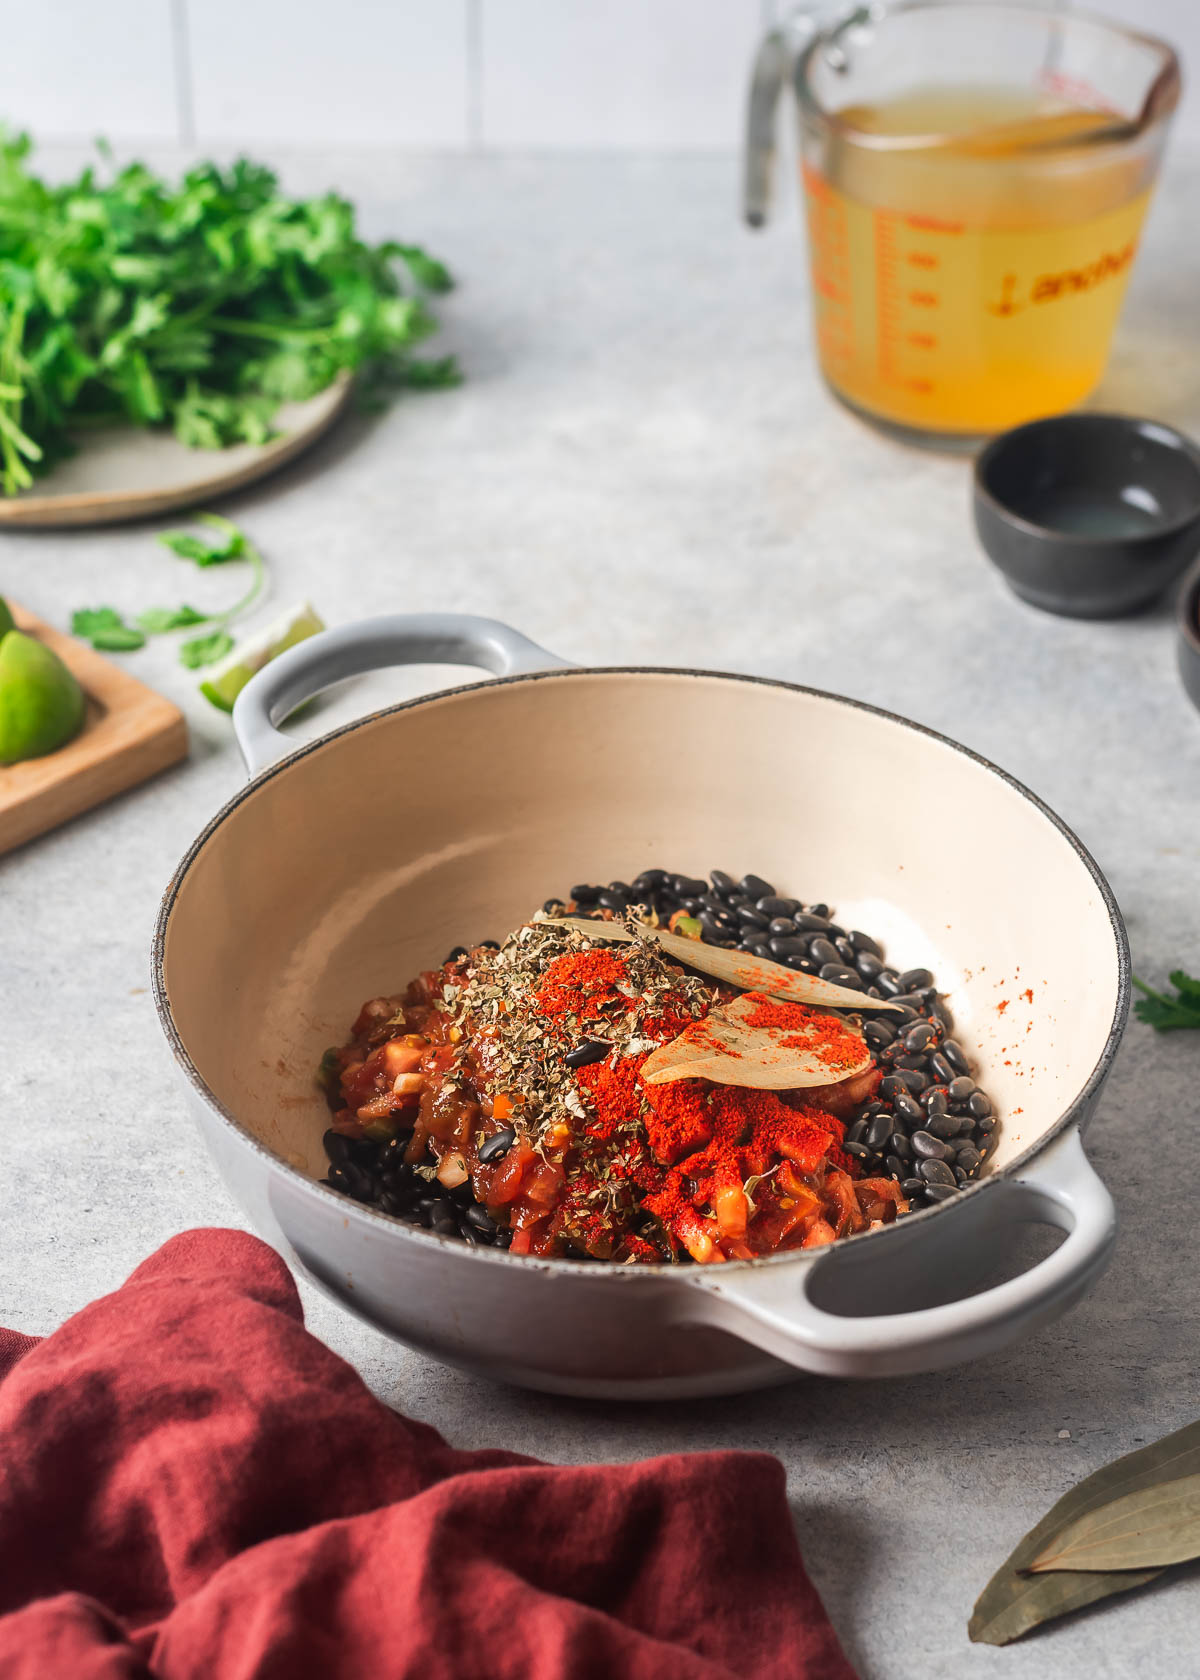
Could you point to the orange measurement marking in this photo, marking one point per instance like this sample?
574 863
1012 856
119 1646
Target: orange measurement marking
922 341
924 300
921 386
922 259
931 224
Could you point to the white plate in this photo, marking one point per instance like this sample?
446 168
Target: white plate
126 473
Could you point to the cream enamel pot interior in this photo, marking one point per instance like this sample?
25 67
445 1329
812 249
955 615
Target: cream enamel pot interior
347 865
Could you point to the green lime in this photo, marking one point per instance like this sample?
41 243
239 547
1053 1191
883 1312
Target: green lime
6 618
41 704
226 681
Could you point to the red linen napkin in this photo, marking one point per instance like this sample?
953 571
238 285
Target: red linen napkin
193 1488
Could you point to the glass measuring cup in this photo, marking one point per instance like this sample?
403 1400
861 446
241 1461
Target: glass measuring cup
975 179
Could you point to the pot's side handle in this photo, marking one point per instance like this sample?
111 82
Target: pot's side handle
772 1309
370 645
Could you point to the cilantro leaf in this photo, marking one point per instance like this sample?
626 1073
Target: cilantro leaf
227 543
205 650
106 630
1166 1013
199 305
156 621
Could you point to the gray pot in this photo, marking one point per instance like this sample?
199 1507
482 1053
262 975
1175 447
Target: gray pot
347 865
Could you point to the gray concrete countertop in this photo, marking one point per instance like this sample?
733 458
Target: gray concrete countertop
642 466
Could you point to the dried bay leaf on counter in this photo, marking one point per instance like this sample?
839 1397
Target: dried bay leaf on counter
734 968
1015 1601
1149 1529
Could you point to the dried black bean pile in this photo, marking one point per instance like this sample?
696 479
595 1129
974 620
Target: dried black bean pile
376 1173
930 1127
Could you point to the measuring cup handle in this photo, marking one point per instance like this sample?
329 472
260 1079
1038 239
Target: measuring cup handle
775 65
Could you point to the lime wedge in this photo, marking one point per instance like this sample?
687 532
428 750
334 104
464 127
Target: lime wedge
226 680
41 704
7 622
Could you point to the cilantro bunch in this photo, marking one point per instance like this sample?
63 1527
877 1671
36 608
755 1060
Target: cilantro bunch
201 306
1166 1013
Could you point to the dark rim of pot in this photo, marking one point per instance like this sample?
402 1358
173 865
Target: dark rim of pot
1188 608
1049 533
349 1208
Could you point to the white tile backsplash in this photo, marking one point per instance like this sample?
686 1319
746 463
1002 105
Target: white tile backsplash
497 74
368 72
73 69
627 73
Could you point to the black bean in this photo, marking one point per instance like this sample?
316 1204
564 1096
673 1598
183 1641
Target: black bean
755 887
943 1125
784 947
900 1012
934 1171
913 1187
651 880
583 1055
838 975
919 1038
391 1203
723 883
929 1147
803 965
337 1180
693 906
497 1145
887 982
337 1147
864 942
941 1192
823 950
961 1088
940 1068
756 947
585 894
461 950
857 1131
889 1085
969 1158
479 1219
942 1019
819 910
489 944
894 1166
877 1033
748 916
914 978
956 1056
867 965
985 1124
781 927
879 1131
911 1000
687 886
906 1108
858 1150
913 1064
358 1180
989 1146
613 901
900 1146
934 1100
980 1105
773 905
806 922
446 1226
845 950
712 928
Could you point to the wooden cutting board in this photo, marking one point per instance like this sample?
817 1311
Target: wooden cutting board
129 734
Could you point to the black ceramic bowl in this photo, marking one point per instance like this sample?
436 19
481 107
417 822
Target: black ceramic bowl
1188 616
1091 515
